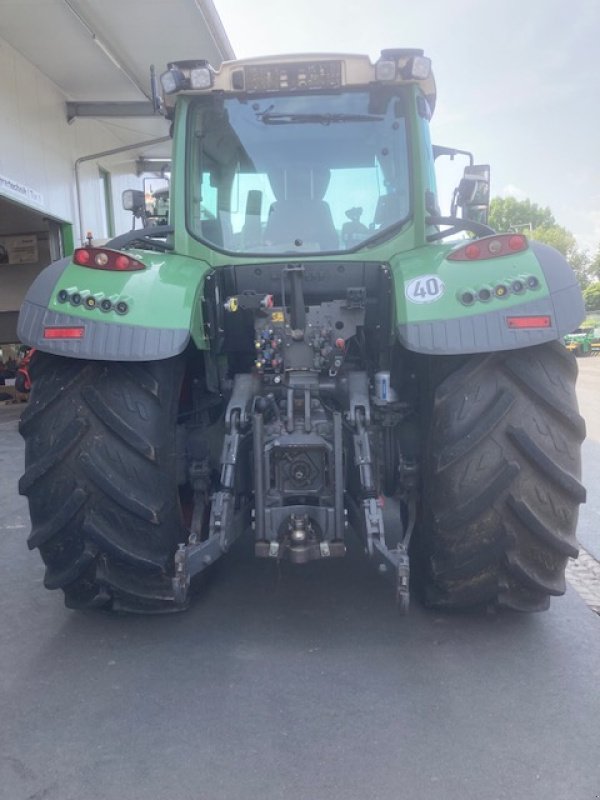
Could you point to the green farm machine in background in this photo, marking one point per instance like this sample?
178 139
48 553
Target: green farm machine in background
305 352
583 341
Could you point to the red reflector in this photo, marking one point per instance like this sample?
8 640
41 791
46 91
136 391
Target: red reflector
529 322
64 333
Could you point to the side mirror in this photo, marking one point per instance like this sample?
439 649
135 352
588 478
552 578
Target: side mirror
472 195
151 204
133 200
156 200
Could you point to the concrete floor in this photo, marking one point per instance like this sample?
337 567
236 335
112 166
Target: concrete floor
299 685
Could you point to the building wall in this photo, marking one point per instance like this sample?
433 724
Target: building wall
38 150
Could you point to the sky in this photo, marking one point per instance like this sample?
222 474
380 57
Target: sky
518 82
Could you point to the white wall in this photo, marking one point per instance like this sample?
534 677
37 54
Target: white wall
38 149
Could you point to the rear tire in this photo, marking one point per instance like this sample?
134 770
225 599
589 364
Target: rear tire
501 485
100 477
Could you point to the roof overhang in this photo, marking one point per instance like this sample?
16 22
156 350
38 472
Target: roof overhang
100 54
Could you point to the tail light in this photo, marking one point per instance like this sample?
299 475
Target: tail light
504 244
103 258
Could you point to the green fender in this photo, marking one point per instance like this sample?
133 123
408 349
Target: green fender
153 312
432 317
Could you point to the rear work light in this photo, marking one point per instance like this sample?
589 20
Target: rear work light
540 321
64 333
103 258
194 74
504 244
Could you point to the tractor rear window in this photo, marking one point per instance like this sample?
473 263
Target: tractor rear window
302 173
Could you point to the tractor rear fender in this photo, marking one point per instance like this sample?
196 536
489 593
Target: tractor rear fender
142 315
442 323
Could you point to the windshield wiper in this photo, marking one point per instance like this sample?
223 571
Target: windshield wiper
270 118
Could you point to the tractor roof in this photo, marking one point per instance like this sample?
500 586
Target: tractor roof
299 73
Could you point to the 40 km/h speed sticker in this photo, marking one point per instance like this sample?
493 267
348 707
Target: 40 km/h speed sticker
424 289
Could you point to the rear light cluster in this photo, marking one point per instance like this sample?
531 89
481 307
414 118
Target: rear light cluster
515 286
103 258
90 302
504 244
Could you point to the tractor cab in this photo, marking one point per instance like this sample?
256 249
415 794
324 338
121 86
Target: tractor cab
307 154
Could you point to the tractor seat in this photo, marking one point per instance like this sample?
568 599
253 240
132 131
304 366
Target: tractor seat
300 216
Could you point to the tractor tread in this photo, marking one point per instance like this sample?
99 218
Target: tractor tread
49 389
150 595
475 505
552 537
58 578
55 455
537 384
42 534
103 534
534 578
126 432
100 477
139 374
535 454
462 445
500 511
109 482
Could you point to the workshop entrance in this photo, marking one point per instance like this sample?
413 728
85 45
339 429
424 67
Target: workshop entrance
29 241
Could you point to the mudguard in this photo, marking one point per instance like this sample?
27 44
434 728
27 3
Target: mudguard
164 308
441 324
160 309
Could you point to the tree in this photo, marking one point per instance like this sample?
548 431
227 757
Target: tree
523 216
564 241
591 295
558 237
594 265
582 266
510 214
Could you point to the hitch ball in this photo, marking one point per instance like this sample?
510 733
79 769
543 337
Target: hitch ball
298 530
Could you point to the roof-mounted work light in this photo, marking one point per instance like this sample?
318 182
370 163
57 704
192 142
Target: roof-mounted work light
173 80
187 75
201 77
418 68
405 63
385 70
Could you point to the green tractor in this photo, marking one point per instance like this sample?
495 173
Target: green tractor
309 351
583 341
